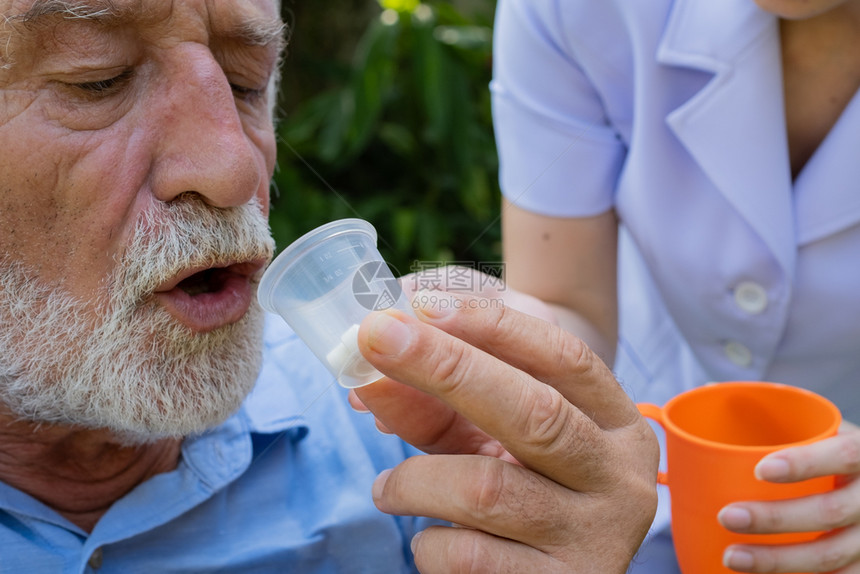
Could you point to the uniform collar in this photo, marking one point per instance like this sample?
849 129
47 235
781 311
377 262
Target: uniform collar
711 35
826 191
734 127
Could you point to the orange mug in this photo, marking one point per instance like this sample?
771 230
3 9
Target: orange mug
715 436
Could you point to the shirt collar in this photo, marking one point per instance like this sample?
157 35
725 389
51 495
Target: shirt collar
734 125
709 35
291 379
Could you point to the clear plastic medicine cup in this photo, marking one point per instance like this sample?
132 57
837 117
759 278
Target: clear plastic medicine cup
324 284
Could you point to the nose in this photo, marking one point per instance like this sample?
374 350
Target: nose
200 140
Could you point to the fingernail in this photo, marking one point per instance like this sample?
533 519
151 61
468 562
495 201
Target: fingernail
434 304
735 518
772 469
379 484
388 335
382 428
738 559
356 403
414 544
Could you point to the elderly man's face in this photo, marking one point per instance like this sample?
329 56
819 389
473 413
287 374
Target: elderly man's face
136 147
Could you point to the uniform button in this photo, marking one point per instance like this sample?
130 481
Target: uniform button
751 297
738 353
96 559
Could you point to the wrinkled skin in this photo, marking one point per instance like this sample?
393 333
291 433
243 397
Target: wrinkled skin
102 116
540 458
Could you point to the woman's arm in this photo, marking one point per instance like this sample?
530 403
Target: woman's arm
569 263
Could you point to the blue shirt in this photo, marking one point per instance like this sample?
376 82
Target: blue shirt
282 486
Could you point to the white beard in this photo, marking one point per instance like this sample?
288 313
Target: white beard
134 369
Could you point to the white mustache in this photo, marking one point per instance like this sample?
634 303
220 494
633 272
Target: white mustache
188 233
121 362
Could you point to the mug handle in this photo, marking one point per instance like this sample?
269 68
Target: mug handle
654 413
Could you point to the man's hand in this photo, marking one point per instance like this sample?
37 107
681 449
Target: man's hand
540 456
838 511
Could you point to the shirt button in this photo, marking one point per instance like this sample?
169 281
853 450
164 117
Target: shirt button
96 559
738 353
751 297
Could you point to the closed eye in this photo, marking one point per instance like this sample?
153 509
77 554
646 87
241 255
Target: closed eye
247 94
104 87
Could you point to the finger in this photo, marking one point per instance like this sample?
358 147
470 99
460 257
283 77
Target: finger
437 429
545 351
835 509
529 419
356 403
442 550
481 492
831 553
848 426
510 502
836 455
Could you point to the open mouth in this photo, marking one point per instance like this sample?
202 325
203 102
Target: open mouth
205 299
206 281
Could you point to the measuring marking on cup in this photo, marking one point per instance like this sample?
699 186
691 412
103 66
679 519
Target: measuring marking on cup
324 284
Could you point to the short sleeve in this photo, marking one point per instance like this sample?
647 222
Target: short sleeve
558 153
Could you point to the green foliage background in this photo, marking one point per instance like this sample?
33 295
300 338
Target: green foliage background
385 115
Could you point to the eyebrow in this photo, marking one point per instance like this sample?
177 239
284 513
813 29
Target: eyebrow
255 31
72 10
262 32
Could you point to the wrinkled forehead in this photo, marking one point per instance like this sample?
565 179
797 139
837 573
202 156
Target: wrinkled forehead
252 21
85 8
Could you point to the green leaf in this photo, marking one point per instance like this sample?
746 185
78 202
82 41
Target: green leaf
398 138
391 121
333 133
400 5
476 194
474 38
372 81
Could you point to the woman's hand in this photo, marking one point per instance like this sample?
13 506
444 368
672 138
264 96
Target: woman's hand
837 511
